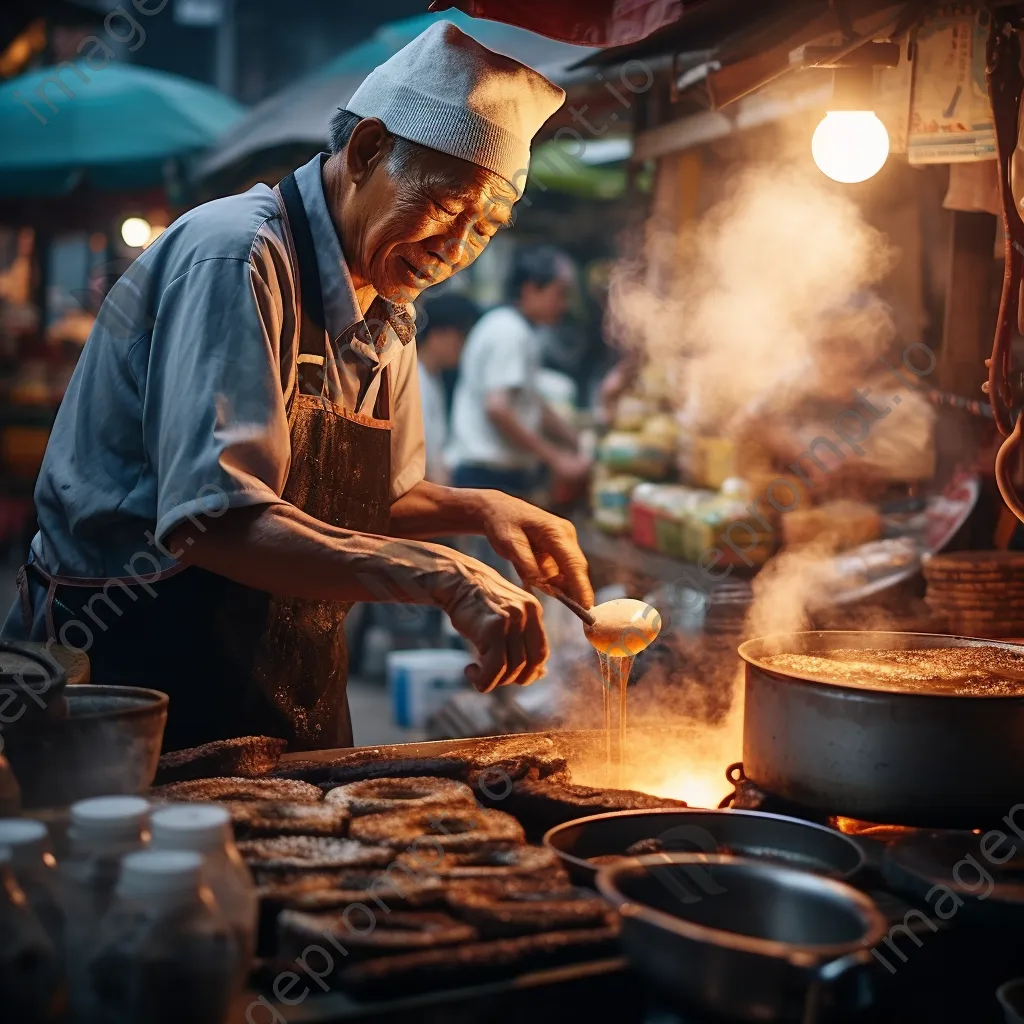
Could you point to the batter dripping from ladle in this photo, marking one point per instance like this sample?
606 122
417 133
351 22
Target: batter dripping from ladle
621 630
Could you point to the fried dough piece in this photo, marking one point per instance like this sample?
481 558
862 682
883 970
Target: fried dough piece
235 789
243 756
255 818
375 796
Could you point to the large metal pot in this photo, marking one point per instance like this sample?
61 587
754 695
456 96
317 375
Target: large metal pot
880 755
742 938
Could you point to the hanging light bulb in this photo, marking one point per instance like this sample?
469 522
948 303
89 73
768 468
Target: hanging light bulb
136 231
850 145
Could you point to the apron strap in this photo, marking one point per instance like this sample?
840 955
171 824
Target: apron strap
312 321
312 328
25 599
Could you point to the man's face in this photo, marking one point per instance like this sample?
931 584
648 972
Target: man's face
419 224
447 343
546 304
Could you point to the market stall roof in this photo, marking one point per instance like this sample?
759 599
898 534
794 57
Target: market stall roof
113 128
294 121
721 49
728 49
584 22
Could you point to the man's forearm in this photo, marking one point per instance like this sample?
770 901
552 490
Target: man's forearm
283 551
558 428
430 510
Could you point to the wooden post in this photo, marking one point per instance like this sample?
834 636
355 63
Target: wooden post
967 331
969 320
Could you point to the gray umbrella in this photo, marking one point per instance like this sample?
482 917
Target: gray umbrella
292 120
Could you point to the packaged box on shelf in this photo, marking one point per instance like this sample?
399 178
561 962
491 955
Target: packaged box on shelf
659 513
709 461
725 523
609 502
637 454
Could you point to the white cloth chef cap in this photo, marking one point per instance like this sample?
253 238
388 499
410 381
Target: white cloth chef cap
448 92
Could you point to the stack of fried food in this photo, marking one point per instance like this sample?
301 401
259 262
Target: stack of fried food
977 593
387 875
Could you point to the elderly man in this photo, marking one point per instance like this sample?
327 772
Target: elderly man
240 453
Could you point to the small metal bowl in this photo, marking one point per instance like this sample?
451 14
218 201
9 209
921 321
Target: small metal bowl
742 938
771 837
1011 999
109 743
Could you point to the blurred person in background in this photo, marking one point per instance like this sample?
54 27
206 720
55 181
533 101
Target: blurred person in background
504 434
623 375
441 329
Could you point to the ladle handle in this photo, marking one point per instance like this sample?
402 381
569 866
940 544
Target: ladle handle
577 609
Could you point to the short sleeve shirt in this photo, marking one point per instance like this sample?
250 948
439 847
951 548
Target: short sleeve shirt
435 424
502 353
177 406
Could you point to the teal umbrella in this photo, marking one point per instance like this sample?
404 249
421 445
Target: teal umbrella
292 124
112 129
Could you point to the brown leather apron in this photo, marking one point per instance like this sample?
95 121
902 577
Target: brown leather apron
237 661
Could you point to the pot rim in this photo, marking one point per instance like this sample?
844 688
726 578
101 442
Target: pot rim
802 956
581 862
59 677
158 700
746 651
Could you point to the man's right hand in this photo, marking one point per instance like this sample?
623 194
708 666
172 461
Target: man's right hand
502 621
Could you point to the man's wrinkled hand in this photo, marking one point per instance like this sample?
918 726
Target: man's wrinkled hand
542 547
503 622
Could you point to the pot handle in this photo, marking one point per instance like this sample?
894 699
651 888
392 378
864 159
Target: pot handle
822 975
828 973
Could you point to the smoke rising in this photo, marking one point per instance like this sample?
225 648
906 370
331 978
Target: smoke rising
749 286
775 277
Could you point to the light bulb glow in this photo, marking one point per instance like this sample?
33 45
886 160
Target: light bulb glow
136 231
850 145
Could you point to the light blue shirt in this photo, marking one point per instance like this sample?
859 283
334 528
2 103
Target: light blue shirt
177 405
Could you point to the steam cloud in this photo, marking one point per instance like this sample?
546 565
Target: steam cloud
732 312
749 287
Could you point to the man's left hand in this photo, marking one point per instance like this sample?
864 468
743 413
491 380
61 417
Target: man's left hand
542 547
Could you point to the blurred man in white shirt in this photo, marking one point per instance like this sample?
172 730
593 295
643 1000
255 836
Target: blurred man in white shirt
504 435
442 324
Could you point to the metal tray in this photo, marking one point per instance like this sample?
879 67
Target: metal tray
543 743
596 989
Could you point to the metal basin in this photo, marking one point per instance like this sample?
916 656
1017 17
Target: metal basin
770 837
882 755
109 743
744 939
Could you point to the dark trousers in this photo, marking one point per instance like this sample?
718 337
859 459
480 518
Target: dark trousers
520 483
